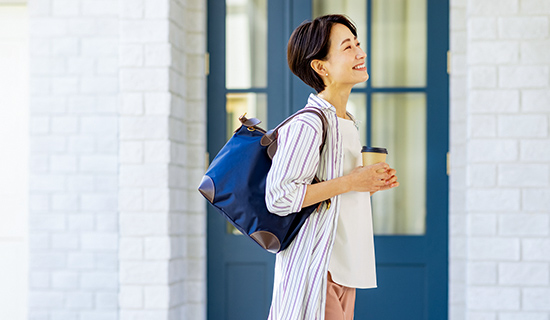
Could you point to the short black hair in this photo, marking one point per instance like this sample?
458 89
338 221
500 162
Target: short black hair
311 41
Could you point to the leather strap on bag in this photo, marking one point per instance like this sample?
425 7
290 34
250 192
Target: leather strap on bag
270 138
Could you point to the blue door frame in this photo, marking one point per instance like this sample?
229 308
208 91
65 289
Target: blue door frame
412 270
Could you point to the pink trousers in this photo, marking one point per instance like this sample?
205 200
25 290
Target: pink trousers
340 301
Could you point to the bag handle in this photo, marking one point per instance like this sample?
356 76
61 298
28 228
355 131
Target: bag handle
270 138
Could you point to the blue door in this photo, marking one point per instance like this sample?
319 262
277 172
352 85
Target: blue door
403 106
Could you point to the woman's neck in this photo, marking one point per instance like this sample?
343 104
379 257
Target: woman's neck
338 98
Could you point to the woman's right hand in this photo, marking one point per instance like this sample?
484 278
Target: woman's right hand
372 178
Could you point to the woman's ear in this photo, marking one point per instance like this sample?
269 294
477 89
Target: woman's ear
319 67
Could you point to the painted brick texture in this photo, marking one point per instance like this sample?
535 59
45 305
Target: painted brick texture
162 145
458 219
73 219
116 229
118 111
507 162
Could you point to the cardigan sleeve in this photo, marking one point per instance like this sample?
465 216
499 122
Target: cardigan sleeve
294 164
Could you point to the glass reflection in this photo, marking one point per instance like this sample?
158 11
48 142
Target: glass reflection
246 44
399 124
399 43
253 104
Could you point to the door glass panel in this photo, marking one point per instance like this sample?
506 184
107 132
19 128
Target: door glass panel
399 124
356 10
357 106
255 106
246 44
399 43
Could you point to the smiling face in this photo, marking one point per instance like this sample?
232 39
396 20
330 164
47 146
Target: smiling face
345 62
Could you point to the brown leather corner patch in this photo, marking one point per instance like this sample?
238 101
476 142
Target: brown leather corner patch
267 240
207 188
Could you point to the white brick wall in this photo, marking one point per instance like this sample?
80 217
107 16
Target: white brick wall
500 172
117 123
162 119
188 136
458 219
73 213
118 112
14 163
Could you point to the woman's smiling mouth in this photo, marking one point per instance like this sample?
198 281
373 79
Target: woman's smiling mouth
360 67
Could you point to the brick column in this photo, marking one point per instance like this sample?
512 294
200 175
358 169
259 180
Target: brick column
187 166
457 178
162 146
73 220
507 161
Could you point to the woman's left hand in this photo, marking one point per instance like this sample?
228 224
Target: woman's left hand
391 182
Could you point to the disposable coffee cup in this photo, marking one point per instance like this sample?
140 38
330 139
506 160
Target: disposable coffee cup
372 155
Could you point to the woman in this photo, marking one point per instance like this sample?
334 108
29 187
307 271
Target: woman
333 253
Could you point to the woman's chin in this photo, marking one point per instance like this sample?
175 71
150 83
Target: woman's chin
366 77
363 78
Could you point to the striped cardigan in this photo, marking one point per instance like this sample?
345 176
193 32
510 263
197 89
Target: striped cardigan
299 290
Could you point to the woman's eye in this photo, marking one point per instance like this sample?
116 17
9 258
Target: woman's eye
348 47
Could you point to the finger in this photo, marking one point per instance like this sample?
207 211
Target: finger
381 165
385 176
391 186
380 183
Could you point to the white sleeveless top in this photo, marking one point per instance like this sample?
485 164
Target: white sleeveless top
352 262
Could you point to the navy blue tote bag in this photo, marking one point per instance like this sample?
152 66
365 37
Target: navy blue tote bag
234 184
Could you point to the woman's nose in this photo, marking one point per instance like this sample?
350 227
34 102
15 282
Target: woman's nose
361 54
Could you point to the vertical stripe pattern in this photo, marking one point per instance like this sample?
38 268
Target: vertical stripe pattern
299 290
